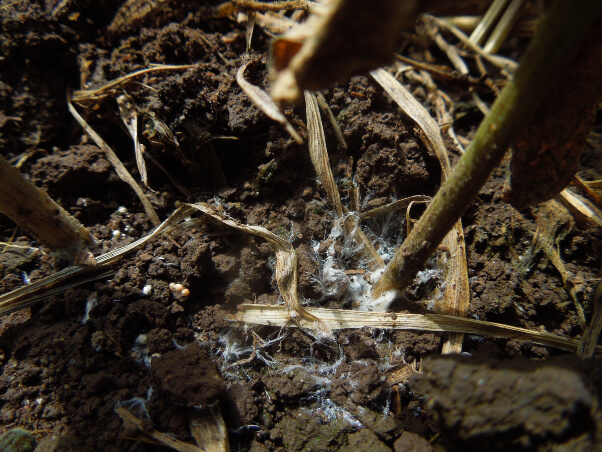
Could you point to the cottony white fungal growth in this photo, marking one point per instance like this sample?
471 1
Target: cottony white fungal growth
140 349
90 303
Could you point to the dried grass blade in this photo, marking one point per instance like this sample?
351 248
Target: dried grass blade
286 260
209 429
122 172
496 60
457 294
274 23
337 319
319 154
84 96
587 345
581 207
551 218
488 21
289 5
77 275
129 116
335 125
503 27
319 158
264 102
588 188
162 438
391 207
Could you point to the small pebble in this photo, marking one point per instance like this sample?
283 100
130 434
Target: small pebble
17 440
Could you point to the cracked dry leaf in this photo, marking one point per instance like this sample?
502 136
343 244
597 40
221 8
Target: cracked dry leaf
339 39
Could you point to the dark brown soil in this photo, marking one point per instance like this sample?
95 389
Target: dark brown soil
132 341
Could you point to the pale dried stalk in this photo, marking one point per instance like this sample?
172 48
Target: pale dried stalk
458 62
457 293
129 116
587 345
286 264
588 188
264 102
393 206
319 158
209 429
503 27
488 21
273 6
274 23
122 172
496 60
162 438
286 260
336 319
77 275
335 125
583 208
33 210
85 96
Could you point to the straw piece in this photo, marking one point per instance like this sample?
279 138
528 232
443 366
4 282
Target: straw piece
335 125
122 172
505 24
581 206
162 438
393 206
587 345
488 21
209 429
339 39
72 276
337 319
496 60
87 96
457 293
319 158
129 116
33 210
264 102
286 259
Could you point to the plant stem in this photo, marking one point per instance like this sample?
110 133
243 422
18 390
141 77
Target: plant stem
555 43
32 209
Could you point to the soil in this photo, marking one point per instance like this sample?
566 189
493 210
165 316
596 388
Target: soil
133 341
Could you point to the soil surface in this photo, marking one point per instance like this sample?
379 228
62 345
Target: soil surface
136 341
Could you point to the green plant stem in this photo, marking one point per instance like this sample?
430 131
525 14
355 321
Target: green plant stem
555 43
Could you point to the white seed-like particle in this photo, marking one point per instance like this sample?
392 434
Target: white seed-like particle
185 292
178 287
